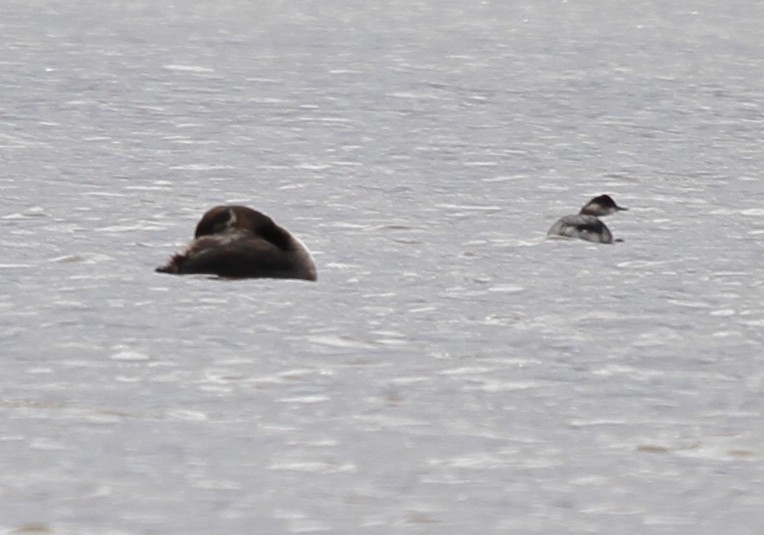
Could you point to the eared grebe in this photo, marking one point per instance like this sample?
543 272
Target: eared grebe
586 224
238 242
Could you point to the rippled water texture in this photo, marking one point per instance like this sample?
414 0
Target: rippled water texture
453 371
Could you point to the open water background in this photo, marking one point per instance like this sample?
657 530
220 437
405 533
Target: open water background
452 371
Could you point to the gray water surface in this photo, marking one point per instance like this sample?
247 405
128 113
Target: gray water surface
452 371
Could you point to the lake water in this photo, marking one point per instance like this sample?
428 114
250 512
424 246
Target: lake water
452 371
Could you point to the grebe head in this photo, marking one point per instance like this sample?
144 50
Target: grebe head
601 205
